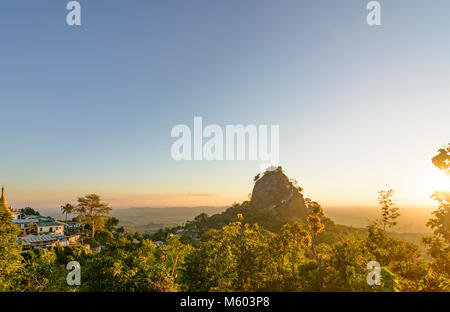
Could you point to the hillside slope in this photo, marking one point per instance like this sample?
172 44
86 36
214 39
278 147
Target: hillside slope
275 201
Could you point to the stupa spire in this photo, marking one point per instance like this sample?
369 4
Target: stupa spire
3 202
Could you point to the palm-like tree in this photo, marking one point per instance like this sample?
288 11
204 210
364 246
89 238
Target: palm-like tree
67 209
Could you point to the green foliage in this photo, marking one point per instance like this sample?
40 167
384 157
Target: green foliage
41 273
269 219
401 266
315 226
230 259
241 257
125 265
10 259
37 270
73 252
28 211
67 209
111 223
442 159
389 213
91 210
104 237
438 245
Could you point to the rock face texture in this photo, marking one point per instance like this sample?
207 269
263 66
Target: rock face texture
274 191
271 188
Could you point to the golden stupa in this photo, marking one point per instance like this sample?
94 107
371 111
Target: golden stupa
4 207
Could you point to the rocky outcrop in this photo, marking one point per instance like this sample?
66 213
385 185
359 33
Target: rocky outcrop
270 189
274 191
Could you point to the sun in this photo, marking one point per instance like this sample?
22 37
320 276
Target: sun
436 180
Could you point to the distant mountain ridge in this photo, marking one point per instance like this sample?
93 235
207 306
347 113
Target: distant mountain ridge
151 219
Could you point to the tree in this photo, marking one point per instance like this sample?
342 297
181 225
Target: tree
172 258
10 259
315 226
93 211
233 258
389 213
67 209
41 272
442 159
243 257
401 267
438 245
72 252
111 223
294 268
122 266
28 211
125 265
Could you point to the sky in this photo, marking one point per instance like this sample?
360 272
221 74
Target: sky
90 108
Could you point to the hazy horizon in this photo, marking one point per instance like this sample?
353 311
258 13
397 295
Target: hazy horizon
412 219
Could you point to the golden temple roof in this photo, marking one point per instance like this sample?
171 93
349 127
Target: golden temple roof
4 203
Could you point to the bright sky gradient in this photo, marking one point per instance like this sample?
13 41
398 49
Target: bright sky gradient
89 109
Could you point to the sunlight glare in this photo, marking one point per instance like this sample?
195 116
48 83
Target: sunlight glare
436 181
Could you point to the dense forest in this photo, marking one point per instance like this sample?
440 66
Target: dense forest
278 240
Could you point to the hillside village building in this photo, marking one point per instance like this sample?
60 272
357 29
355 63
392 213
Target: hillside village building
46 227
38 231
43 225
35 241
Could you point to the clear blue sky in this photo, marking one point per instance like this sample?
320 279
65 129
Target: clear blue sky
90 109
